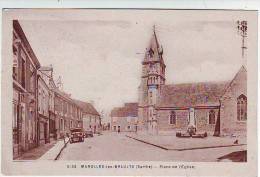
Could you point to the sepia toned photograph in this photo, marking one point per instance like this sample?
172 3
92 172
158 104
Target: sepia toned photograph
129 85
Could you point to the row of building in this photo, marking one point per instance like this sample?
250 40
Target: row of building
42 112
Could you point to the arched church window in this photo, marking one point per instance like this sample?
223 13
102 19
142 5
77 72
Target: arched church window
242 108
211 117
173 118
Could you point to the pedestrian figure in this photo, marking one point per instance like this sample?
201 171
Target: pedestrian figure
236 142
118 130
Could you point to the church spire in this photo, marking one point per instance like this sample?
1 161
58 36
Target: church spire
154 51
155 37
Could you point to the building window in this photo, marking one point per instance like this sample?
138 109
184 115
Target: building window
31 78
15 123
61 124
65 124
71 125
211 117
15 110
173 118
23 74
15 63
114 128
151 97
242 108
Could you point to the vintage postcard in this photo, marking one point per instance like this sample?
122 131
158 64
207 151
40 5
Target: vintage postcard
129 92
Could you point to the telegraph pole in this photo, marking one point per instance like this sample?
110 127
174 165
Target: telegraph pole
242 31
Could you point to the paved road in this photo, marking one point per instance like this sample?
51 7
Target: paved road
117 147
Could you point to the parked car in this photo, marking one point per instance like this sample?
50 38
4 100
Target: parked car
76 135
88 133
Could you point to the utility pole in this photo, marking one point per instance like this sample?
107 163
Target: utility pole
242 31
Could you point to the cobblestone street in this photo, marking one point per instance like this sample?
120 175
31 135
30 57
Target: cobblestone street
118 147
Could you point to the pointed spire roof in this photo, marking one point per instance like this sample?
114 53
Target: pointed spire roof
154 51
154 44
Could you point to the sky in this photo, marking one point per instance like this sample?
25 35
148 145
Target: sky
98 53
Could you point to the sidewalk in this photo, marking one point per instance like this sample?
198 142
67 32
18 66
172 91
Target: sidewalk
37 152
55 151
171 142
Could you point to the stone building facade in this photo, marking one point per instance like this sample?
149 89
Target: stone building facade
233 105
43 109
52 124
219 108
67 112
91 118
25 65
124 119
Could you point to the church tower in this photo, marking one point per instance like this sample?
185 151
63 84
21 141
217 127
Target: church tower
153 77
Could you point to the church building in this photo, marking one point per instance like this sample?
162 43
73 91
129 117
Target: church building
219 108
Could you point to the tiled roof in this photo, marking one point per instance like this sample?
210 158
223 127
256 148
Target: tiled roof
87 107
192 94
61 93
129 110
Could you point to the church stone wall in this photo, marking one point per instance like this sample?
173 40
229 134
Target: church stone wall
228 117
202 120
164 120
182 118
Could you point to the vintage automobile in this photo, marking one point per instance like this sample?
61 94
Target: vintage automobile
88 133
76 135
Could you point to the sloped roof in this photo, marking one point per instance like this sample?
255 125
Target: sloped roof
192 94
155 49
242 70
86 107
129 110
19 30
63 94
117 112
